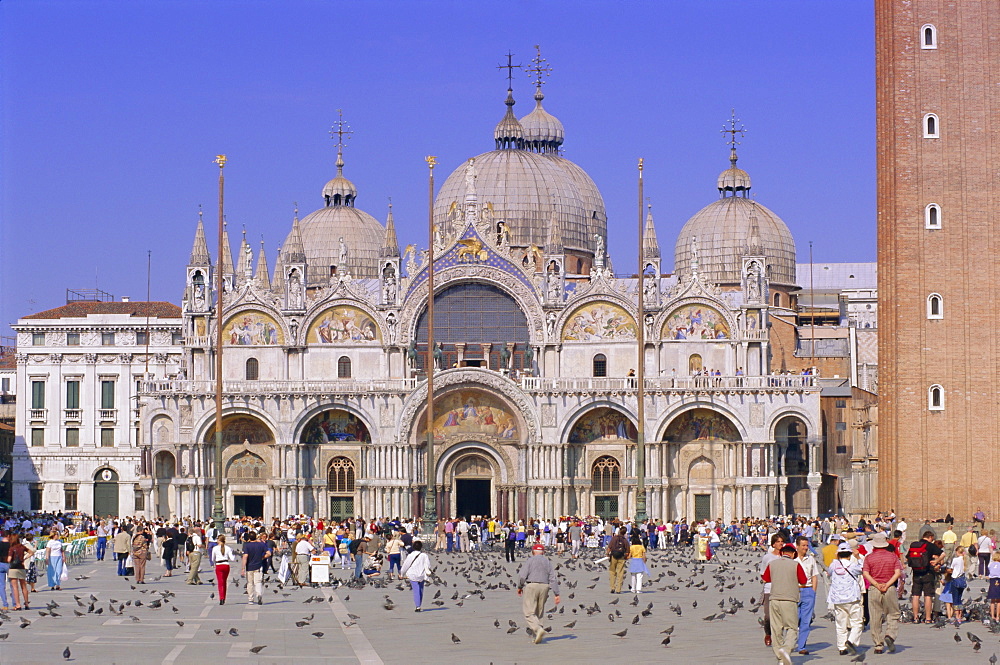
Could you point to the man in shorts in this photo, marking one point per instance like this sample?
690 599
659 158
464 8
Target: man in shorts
925 578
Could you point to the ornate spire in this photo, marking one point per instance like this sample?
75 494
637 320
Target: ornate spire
390 248
509 133
554 241
262 276
199 252
278 284
650 248
733 179
754 248
293 251
542 131
340 190
226 250
244 269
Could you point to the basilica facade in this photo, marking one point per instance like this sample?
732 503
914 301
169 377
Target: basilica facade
535 346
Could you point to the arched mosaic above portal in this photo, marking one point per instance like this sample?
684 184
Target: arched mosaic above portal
701 425
252 328
338 325
695 322
603 424
597 322
468 412
334 426
241 429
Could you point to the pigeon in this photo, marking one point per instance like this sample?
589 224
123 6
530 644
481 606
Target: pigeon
668 631
496 623
972 638
300 624
234 632
180 623
4 636
66 653
353 617
621 634
218 631
25 623
454 639
635 621
958 638
513 629
666 641
570 624
318 635
993 658
256 650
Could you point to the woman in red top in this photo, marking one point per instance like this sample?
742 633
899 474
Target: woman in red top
17 553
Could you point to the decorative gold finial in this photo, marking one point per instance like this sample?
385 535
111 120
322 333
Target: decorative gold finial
431 161
220 160
340 130
640 164
541 67
295 205
510 67
200 212
733 130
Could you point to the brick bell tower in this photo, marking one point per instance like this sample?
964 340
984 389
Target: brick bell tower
938 133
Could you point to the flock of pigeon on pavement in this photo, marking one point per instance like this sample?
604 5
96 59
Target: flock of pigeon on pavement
730 584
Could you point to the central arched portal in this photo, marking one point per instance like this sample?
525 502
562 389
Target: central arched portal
472 479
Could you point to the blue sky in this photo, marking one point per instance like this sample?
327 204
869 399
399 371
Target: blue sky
111 114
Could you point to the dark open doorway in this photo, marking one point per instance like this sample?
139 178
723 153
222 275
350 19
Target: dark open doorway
472 497
248 505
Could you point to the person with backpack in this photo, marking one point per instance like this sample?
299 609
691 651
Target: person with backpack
510 539
924 559
617 550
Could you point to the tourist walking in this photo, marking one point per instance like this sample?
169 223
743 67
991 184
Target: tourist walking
807 594
636 563
139 548
222 557
255 554
882 569
18 555
534 580
416 568
55 558
196 550
844 595
617 552
786 577
122 544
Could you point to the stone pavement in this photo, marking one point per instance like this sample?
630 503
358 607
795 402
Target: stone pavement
401 636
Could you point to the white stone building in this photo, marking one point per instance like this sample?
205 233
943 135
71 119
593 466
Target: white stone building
535 408
79 366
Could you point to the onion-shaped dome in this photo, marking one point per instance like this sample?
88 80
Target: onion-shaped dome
542 131
526 189
734 179
725 231
323 230
509 133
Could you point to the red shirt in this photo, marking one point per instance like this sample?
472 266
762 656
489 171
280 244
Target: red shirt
881 564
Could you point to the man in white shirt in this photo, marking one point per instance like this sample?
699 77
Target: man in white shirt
463 535
901 526
196 551
807 594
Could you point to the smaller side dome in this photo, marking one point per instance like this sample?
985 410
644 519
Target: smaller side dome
733 179
509 133
542 131
340 190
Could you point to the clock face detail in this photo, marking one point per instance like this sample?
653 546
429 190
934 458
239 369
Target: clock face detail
106 474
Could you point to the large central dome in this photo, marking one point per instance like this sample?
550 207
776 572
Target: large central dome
530 185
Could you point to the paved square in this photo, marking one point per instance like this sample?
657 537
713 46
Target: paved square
401 636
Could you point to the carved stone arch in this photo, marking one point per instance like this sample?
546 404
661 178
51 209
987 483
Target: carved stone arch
575 416
304 418
247 307
812 429
574 305
701 471
471 379
98 473
255 468
164 465
207 422
501 461
338 299
673 412
722 308
527 299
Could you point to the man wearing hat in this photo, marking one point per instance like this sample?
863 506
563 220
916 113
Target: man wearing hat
882 569
535 578
844 595
786 577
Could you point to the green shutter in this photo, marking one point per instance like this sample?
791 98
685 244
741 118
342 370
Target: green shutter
107 394
72 394
37 394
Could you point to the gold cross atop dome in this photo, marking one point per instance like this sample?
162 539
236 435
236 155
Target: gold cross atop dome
510 67
733 130
340 130
541 67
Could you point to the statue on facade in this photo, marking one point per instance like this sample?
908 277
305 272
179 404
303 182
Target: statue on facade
550 324
503 234
199 297
555 288
599 252
529 359
390 323
294 289
753 282
438 355
411 353
504 357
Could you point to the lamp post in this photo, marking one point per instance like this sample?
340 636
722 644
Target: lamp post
218 513
640 378
430 495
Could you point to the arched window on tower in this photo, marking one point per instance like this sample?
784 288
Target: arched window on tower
932 216
606 475
928 37
252 369
935 398
344 368
777 300
600 365
340 475
932 126
935 306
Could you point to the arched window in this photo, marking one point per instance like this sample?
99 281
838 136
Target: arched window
340 475
694 363
931 126
253 369
935 398
777 300
928 37
606 475
932 216
344 368
600 365
935 306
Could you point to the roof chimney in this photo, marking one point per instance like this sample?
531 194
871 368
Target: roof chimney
125 299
